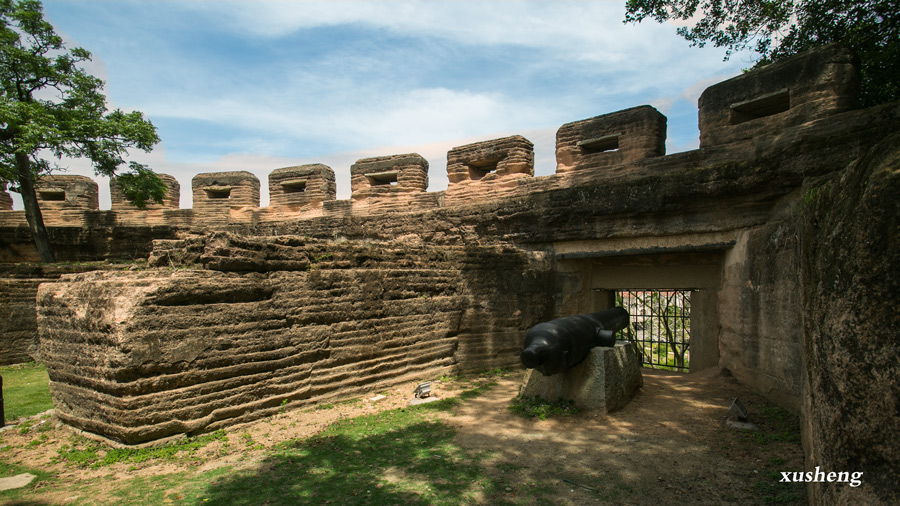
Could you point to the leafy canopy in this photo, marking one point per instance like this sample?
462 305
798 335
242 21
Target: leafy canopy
51 107
775 29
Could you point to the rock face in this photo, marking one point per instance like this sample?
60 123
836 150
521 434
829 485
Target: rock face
18 317
267 322
604 381
851 292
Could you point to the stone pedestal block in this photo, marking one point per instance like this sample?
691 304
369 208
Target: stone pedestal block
606 380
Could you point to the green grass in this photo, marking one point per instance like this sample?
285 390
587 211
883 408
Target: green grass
25 390
7 470
401 456
536 407
83 452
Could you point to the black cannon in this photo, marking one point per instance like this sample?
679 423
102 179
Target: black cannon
555 346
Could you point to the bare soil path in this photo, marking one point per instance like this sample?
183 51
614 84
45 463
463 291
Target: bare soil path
670 445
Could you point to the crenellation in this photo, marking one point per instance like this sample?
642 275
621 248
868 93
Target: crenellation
6 203
171 200
488 169
387 182
611 139
67 192
294 188
755 106
218 194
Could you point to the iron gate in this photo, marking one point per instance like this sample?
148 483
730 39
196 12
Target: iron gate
660 327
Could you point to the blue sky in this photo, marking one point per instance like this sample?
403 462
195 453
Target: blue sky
258 85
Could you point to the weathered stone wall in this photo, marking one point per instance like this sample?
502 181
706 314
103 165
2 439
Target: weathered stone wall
61 193
18 314
218 195
141 355
6 203
850 298
295 188
488 169
611 139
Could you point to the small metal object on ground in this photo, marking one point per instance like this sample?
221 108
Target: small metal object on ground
738 420
737 409
570 482
423 390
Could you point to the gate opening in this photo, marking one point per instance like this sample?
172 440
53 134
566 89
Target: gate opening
660 327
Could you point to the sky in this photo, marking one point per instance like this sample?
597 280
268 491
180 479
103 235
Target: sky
260 85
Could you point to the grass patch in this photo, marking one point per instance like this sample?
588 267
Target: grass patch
401 456
7 470
25 390
536 407
83 452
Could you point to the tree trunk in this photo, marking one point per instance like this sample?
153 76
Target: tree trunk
32 210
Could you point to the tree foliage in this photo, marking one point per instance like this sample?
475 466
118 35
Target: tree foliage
775 29
52 109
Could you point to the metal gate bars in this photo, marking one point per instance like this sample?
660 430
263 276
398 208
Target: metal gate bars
660 326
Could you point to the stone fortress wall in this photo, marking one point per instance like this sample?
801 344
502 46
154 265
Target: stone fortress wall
242 308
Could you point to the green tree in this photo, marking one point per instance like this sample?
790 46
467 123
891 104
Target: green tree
50 107
775 29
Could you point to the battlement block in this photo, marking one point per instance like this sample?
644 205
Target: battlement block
67 192
301 185
611 139
488 160
6 202
224 190
807 87
388 175
170 201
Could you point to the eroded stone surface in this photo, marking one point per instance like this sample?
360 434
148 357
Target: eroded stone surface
303 185
611 139
141 355
65 192
851 292
605 381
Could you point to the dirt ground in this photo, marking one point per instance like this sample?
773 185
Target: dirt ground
670 445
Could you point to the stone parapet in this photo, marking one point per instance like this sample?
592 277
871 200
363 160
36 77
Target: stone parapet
611 139
6 203
65 193
388 182
757 105
170 201
292 188
217 194
488 169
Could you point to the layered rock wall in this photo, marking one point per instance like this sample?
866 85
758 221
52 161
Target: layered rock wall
262 323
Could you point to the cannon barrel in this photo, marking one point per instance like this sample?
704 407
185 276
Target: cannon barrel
555 346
